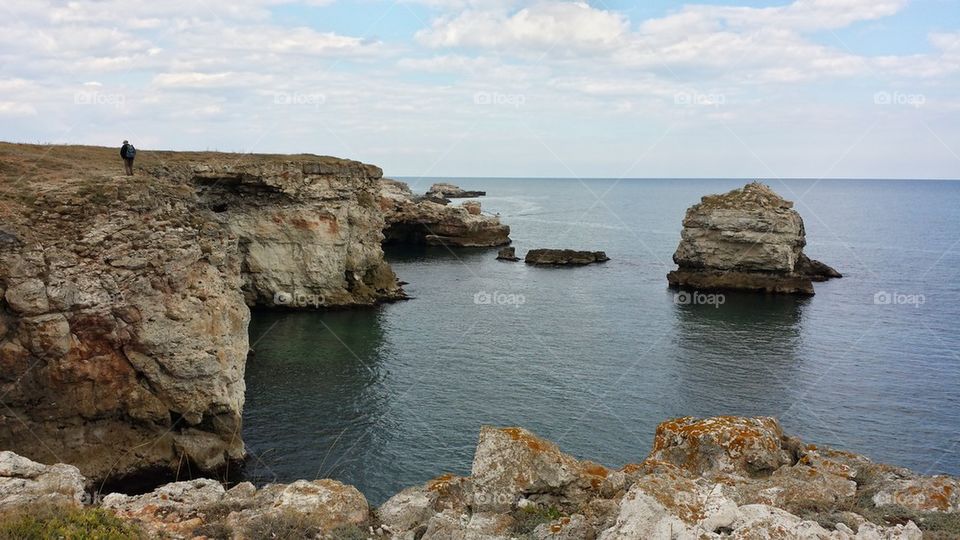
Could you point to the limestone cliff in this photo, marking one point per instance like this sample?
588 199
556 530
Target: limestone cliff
124 311
749 238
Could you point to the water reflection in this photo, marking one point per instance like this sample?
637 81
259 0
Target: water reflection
738 356
324 370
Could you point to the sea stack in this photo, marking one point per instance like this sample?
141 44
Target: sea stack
746 239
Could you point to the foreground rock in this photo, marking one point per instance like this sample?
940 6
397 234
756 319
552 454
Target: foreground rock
124 304
418 221
564 257
706 479
25 483
750 239
445 190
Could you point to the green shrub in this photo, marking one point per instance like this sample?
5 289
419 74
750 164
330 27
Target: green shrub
47 522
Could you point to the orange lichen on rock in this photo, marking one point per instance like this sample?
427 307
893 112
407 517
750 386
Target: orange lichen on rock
534 443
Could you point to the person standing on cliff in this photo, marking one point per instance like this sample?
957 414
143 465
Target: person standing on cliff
128 152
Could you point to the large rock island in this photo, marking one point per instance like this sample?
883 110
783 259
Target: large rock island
124 301
748 239
705 479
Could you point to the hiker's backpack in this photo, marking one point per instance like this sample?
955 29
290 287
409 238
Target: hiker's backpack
130 152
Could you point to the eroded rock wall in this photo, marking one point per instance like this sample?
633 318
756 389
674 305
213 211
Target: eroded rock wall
124 301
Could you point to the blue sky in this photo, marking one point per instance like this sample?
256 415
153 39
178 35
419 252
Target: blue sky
808 88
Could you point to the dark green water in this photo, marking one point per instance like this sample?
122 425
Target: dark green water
593 358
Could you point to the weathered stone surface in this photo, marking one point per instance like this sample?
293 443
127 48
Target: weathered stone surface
473 207
749 238
926 494
564 257
444 190
310 236
508 254
511 462
25 483
410 220
124 306
28 297
724 444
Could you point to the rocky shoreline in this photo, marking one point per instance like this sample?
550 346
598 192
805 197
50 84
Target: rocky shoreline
713 478
124 311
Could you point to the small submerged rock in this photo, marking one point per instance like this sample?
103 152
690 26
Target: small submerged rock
749 239
564 257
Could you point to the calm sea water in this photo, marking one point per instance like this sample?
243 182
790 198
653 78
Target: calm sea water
593 358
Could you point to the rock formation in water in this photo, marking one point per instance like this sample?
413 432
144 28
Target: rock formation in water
124 311
445 190
421 221
564 257
750 239
706 479
508 254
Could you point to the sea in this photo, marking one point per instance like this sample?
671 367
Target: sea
594 357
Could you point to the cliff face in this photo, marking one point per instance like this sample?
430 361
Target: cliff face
124 312
309 232
749 238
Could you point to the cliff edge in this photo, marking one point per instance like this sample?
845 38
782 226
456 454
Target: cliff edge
124 301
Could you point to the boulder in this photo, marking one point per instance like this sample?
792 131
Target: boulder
564 257
512 462
923 494
25 483
724 444
508 254
749 239
473 207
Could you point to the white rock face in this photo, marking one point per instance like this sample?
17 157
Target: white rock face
25 483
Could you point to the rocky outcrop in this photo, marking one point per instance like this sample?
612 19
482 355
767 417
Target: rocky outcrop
715 478
25 483
124 311
419 221
564 257
750 239
309 231
444 190
508 254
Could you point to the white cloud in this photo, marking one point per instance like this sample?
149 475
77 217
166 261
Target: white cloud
558 26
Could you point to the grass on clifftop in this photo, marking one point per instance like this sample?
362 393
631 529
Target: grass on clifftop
42 523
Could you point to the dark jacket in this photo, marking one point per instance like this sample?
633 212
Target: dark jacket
123 151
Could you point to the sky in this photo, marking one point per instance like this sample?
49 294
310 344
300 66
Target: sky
517 88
